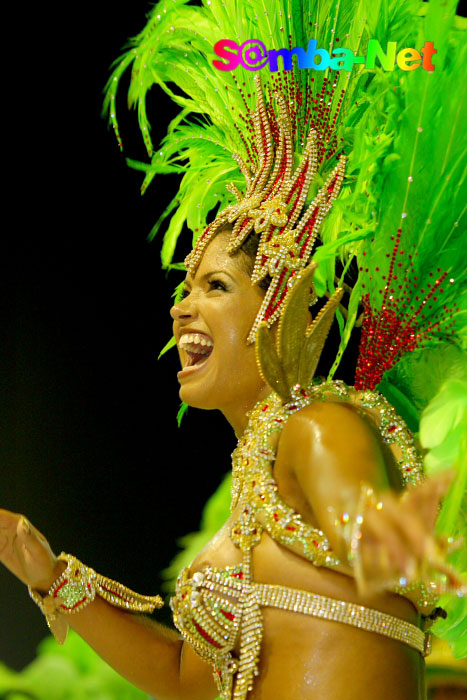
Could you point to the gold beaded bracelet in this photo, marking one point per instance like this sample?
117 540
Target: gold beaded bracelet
77 587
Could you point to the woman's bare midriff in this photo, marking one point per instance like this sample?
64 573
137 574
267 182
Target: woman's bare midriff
305 658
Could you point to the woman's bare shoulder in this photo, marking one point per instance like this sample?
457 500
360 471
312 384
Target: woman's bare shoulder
333 420
337 435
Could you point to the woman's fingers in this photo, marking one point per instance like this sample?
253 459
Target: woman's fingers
23 529
387 536
398 541
399 527
413 515
419 508
426 497
24 550
26 544
30 535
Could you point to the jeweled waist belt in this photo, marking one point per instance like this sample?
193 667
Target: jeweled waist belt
274 596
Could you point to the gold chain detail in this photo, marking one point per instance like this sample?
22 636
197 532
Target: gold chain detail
77 587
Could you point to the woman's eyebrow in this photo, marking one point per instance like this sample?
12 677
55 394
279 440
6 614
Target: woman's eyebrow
215 272
203 278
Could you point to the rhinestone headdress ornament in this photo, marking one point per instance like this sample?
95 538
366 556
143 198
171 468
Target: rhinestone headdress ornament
273 206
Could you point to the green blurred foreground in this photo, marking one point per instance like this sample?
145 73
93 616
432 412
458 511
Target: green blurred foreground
69 672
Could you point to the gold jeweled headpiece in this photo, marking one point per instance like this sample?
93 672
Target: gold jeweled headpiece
288 363
272 206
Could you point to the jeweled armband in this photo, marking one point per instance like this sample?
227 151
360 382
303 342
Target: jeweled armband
77 587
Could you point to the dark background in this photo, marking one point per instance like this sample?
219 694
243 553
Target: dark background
89 446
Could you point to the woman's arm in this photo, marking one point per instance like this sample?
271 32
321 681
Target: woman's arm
149 655
330 449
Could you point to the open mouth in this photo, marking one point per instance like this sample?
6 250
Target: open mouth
197 348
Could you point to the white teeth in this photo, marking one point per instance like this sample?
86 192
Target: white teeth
195 339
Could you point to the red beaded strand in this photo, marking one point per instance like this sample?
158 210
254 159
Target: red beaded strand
400 326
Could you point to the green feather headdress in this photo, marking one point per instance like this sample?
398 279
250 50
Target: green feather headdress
402 208
177 47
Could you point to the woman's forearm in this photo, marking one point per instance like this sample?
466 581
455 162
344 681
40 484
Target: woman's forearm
143 651
149 655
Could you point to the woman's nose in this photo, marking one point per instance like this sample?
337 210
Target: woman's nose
184 310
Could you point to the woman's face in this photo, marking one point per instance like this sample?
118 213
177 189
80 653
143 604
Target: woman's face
211 325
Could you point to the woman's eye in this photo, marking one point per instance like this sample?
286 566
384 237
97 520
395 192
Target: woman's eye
217 284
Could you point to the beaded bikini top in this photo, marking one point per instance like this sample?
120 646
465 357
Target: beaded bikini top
214 609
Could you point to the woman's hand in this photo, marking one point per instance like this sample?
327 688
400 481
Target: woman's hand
396 544
26 552
146 653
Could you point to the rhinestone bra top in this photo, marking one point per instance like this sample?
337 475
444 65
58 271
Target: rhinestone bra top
214 608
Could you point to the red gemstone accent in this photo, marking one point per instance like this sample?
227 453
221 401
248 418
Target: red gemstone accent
110 590
206 636
227 614
397 324
60 586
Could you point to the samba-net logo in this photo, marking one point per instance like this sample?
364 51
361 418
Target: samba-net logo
253 55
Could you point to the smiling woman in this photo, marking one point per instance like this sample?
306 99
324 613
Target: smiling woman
220 305
198 347
329 556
